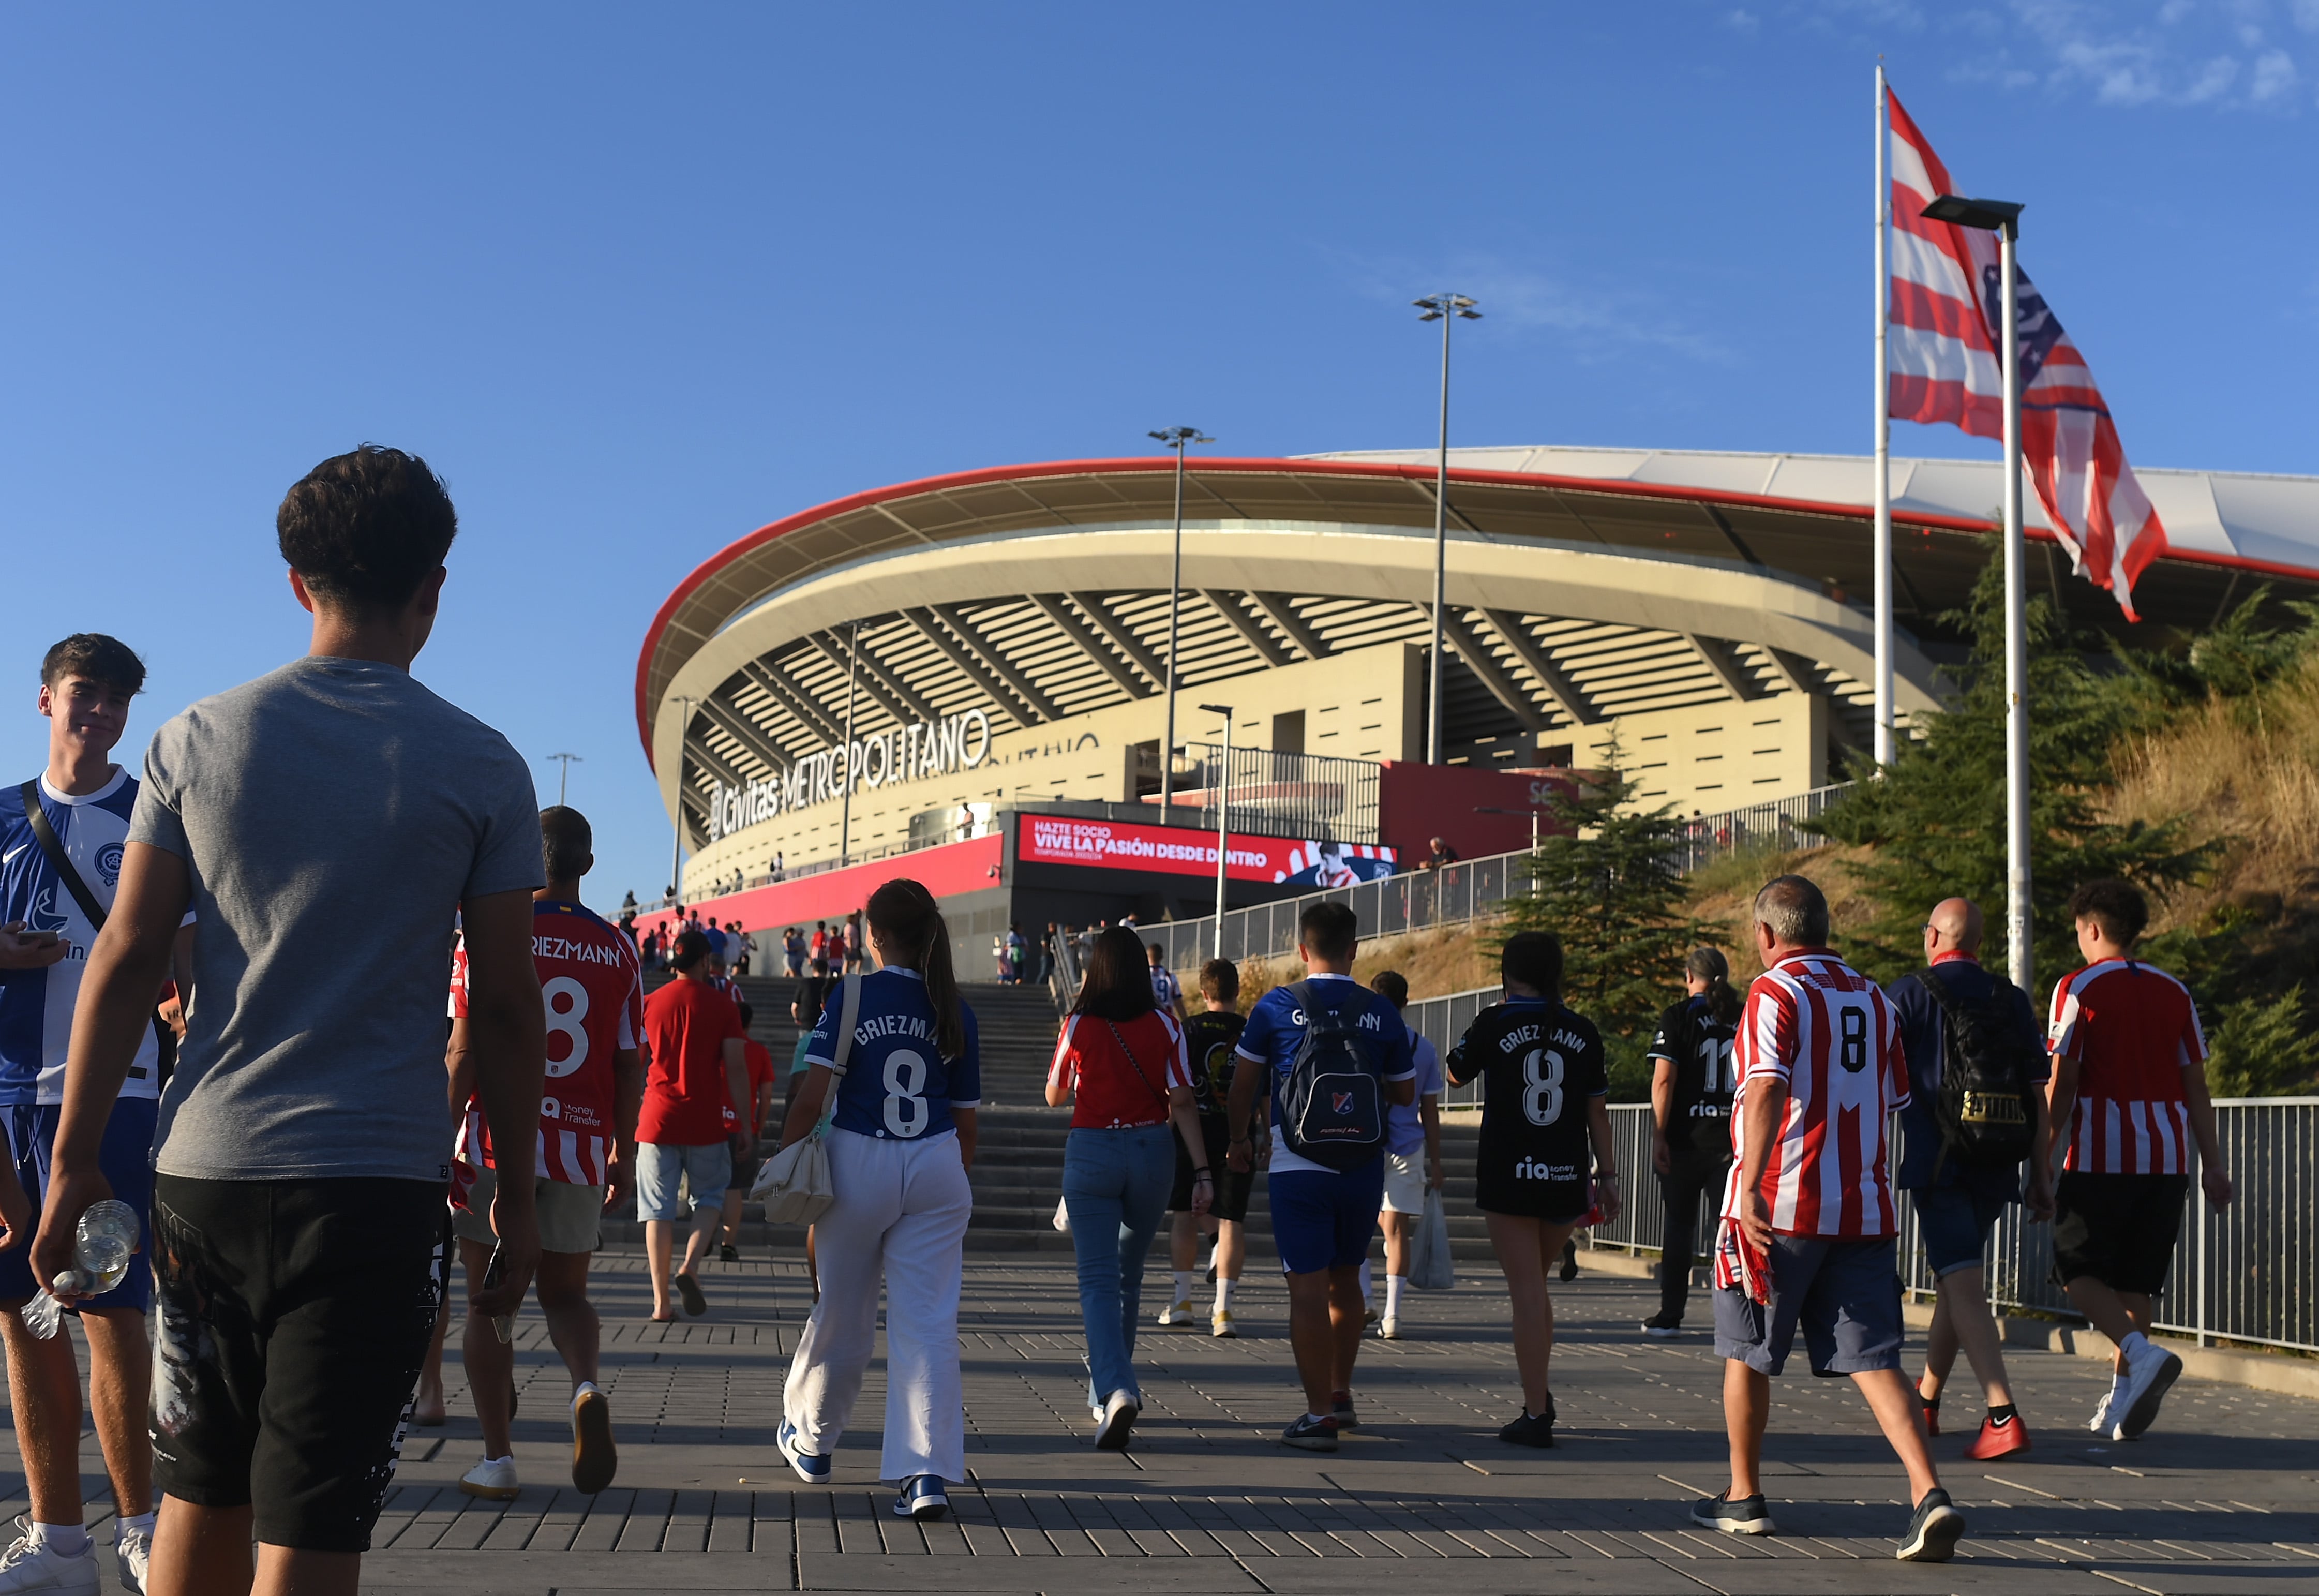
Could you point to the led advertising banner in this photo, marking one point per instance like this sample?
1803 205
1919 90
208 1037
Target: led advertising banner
1113 845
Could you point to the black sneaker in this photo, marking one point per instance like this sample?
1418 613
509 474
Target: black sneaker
1530 1429
1310 1434
1341 1403
1660 1328
1746 1516
1569 1261
1934 1532
728 1253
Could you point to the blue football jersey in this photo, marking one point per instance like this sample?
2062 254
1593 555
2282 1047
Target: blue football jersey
36 1005
896 1084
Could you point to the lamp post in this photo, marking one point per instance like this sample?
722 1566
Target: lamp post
1531 812
1224 820
2003 218
1176 438
1446 308
676 850
564 776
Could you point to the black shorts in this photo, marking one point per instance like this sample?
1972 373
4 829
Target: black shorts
1231 1194
295 1316
2118 1229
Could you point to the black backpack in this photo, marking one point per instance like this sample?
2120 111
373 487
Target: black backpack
1989 1058
1331 1111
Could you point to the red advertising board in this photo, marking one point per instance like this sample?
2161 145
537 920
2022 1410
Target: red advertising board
1118 844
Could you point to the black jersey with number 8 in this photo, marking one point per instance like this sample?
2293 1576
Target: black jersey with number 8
1540 1066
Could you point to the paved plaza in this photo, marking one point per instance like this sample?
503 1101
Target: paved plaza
2222 1496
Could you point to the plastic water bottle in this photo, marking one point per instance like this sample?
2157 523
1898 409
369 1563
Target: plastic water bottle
103 1244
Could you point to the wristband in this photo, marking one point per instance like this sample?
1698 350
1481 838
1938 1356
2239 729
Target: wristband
1202 1175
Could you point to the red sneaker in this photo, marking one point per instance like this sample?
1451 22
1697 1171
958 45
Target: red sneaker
1999 1440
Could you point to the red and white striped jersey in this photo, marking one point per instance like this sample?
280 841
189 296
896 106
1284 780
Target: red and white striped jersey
1826 1030
592 985
2133 1030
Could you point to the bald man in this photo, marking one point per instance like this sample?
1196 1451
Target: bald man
1956 1202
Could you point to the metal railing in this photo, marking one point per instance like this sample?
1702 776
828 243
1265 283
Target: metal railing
1771 826
2247 1274
1469 890
1295 795
1062 970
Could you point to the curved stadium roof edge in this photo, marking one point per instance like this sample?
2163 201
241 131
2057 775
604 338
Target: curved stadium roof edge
2263 525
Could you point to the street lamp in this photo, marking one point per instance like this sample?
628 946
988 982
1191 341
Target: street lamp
1176 438
2003 218
1224 820
676 850
564 776
1446 308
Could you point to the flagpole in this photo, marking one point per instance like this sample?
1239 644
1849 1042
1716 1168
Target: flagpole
1884 709
2021 965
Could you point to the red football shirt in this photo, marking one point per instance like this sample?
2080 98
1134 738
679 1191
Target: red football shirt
1121 1086
592 986
1828 1031
687 1024
2133 1030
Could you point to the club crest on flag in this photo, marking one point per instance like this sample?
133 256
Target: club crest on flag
1945 303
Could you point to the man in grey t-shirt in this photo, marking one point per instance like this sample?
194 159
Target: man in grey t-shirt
326 821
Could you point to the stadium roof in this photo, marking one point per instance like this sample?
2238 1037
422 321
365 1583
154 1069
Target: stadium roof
2260 522
1786 524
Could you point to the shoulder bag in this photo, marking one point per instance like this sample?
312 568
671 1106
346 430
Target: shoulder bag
164 1040
794 1185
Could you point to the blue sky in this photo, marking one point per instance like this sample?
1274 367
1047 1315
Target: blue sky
637 280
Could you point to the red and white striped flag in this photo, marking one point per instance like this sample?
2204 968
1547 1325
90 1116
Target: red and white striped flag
1947 318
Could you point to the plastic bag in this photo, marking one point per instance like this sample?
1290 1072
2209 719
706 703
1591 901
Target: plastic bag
1429 1267
1063 1214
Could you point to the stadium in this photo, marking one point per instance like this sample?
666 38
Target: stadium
970 667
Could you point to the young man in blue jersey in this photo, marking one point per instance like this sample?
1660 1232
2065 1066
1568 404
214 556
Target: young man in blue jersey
86 683
1322 1217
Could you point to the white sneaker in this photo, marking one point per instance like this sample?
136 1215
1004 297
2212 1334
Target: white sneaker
1221 1326
132 1548
493 1479
1389 1328
2150 1373
2104 1419
1177 1314
27 1566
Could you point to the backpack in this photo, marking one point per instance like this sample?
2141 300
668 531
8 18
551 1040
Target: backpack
1331 1108
1989 1056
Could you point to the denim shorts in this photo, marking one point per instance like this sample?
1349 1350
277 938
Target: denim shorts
1954 1221
705 1170
1844 1294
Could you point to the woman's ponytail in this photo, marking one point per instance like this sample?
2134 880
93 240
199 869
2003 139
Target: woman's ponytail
1710 966
904 918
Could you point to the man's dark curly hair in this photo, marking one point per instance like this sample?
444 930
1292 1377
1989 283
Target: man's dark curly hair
364 530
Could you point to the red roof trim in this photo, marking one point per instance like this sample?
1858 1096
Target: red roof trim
1211 466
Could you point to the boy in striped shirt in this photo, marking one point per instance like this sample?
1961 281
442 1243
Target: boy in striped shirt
1808 1218
2128 1097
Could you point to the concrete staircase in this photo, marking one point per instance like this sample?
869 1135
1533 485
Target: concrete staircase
1018 1168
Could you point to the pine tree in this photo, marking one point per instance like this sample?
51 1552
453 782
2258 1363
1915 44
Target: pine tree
1937 816
1610 886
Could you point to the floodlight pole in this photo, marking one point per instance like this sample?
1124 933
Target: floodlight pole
564 776
1223 821
2019 957
1444 308
845 754
676 850
1176 438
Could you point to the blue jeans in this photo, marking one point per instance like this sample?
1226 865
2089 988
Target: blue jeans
1115 1184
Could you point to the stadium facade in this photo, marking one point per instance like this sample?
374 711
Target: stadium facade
1701 618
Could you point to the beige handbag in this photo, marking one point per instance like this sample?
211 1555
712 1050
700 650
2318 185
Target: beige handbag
794 1185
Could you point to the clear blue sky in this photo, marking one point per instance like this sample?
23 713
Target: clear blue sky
637 280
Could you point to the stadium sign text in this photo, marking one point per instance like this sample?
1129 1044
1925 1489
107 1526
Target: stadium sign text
921 748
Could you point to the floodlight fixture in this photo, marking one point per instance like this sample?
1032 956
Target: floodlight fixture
1444 308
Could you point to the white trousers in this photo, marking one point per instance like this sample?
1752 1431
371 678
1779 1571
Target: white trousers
901 1212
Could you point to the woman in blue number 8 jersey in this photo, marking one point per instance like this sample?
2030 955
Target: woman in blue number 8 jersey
901 1138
